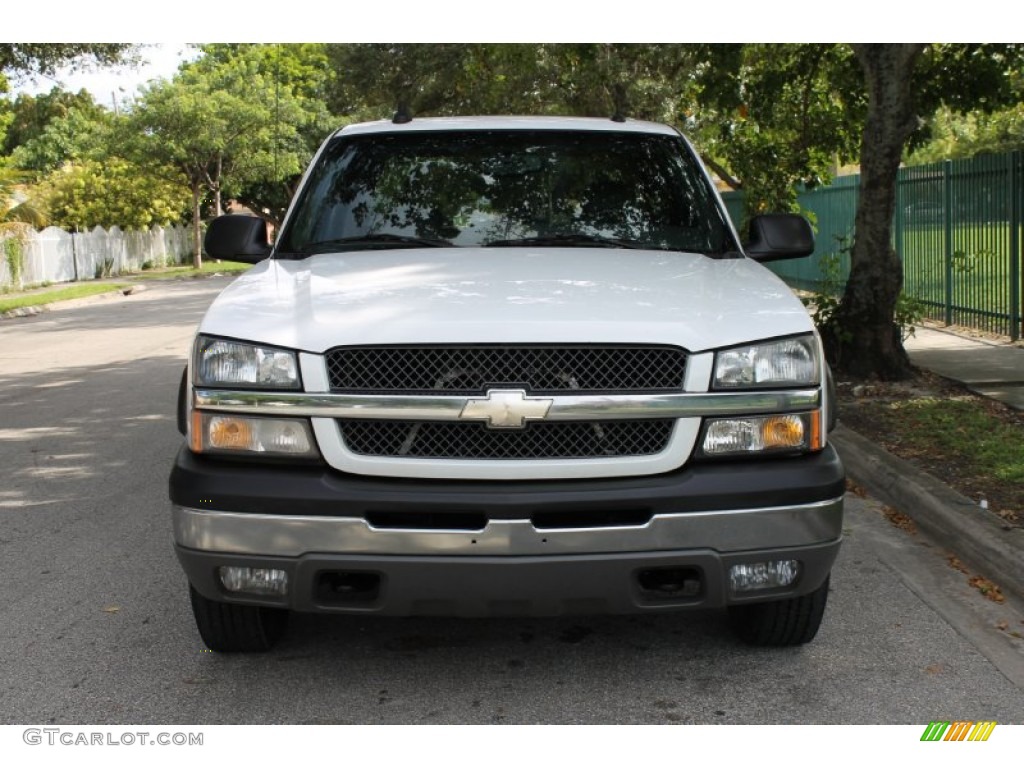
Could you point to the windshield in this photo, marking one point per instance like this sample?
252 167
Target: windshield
500 188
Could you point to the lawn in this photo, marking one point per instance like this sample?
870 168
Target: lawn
209 268
79 291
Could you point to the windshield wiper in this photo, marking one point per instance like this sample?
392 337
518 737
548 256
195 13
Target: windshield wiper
379 240
566 240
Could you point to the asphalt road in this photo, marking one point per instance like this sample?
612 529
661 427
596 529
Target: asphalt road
95 625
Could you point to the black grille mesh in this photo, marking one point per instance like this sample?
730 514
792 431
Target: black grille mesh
541 440
538 369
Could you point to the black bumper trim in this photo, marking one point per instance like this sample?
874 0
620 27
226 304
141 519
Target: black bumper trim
512 586
275 489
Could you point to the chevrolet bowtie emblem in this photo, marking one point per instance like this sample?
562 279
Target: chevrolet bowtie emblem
506 409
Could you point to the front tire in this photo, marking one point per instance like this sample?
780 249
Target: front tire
793 621
230 628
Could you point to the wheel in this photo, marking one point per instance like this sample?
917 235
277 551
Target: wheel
781 622
230 628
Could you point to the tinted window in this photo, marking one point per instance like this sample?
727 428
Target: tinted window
490 187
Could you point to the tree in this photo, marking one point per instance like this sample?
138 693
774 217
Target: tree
113 192
955 135
876 276
21 59
770 117
763 116
17 216
53 129
902 81
15 207
216 125
32 115
300 77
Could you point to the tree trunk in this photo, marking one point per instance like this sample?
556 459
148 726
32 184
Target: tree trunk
197 225
865 340
217 208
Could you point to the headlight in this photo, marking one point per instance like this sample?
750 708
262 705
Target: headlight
223 363
783 363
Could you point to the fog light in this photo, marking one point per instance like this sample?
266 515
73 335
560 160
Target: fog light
747 577
260 581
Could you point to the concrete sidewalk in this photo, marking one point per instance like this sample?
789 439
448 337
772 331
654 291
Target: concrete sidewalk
989 368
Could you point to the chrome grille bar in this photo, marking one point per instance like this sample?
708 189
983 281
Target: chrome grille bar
563 408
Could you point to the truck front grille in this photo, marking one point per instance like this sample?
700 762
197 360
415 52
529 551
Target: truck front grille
539 369
540 440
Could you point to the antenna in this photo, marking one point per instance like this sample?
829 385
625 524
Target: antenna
402 114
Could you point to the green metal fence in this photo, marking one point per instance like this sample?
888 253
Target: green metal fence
957 228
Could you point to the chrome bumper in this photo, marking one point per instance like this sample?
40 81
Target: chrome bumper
722 531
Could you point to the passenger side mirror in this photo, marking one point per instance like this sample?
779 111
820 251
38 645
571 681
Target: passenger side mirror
776 236
237 237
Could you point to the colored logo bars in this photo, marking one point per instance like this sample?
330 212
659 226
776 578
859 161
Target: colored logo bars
958 731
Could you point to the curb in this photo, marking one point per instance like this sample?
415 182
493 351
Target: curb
956 522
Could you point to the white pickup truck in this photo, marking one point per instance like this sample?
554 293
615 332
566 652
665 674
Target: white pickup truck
506 366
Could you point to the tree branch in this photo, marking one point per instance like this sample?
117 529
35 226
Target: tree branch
720 171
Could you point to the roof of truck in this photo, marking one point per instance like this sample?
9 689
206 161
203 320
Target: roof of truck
522 123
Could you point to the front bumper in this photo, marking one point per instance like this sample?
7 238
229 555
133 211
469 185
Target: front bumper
317 526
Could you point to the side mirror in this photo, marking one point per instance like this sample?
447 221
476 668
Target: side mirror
776 236
236 237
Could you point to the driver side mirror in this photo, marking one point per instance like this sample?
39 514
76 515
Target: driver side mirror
776 236
237 237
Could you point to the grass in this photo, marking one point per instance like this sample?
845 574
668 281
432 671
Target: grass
58 294
209 268
966 431
78 290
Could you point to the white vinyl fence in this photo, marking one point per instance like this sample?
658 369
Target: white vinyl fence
56 256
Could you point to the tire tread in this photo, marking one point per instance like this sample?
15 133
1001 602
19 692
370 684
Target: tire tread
793 621
230 628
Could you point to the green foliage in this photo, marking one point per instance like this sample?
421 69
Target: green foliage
966 430
908 314
223 122
16 208
113 193
824 302
789 114
645 81
299 77
955 135
765 116
76 134
30 115
14 255
47 58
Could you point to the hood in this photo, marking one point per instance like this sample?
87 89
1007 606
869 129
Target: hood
506 295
